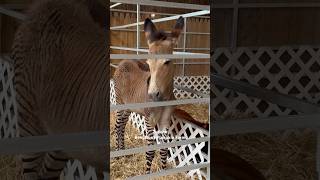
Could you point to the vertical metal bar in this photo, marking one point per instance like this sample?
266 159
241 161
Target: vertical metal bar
209 148
138 27
234 38
1 33
318 154
184 45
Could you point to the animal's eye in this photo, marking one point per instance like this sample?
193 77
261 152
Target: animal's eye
148 80
167 62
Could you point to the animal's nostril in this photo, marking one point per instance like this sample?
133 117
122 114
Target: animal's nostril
158 94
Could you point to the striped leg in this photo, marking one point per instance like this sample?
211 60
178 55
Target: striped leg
29 164
150 141
52 165
122 119
164 152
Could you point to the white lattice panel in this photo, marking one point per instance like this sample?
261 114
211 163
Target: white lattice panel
112 93
8 107
187 154
292 71
197 83
75 171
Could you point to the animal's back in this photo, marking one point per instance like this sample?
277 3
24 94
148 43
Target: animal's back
130 79
60 64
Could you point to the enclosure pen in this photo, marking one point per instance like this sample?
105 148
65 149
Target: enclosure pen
191 149
191 155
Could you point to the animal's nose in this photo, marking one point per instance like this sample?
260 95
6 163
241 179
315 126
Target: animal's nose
155 96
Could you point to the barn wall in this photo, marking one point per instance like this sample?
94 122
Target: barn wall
128 39
268 26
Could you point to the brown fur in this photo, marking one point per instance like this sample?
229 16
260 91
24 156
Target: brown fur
60 63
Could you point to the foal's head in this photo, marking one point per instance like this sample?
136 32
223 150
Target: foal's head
160 82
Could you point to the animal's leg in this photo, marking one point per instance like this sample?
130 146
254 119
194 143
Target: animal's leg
122 119
53 164
29 125
150 141
164 152
164 125
28 166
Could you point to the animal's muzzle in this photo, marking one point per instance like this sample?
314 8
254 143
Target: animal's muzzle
155 96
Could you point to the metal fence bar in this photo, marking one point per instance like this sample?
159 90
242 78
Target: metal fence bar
157 13
264 94
146 50
198 13
138 28
115 5
144 149
178 63
318 154
165 4
158 56
192 33
12 13
267 5
65 142
231 127
184 44
135 106
171 171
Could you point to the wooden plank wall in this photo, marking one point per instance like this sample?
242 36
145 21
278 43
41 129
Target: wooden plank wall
269 26
128 39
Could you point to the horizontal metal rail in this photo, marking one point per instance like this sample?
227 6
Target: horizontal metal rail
159 56
191 33
266 5
177 63
253 125
115 5
12 13
65 142
156 13
171 171
14 6
144 149
146 50
164 4
198 13
136 106
265 94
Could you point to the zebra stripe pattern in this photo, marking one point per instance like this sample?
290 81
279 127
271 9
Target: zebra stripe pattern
60 66
126 68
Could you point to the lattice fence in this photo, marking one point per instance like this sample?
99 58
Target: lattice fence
292 71
187 154
74 170
8 110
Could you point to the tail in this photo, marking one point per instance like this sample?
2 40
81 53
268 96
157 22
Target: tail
184 115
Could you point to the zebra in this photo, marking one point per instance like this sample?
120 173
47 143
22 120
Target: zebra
61 79
137 82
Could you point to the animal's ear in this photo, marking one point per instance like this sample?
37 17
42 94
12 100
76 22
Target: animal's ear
149 28
98 12
177 29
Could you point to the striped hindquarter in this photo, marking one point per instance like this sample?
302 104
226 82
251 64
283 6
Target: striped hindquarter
60 66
